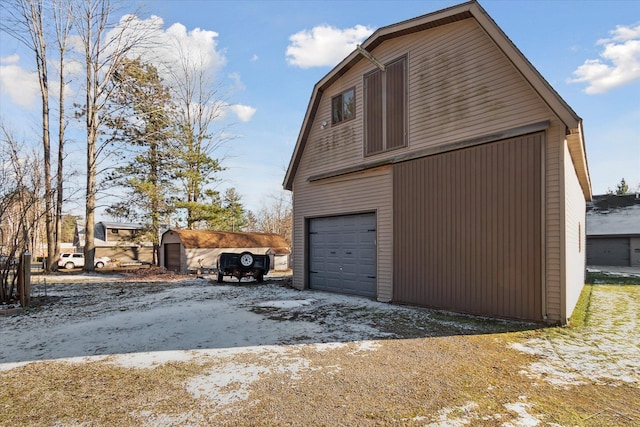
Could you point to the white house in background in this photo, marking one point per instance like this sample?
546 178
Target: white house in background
613 230
120 241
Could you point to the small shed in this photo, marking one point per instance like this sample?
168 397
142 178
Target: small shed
187 250
613 230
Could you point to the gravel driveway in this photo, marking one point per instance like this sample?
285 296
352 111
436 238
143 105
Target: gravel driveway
191 352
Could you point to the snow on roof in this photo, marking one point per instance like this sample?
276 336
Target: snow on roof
616 221
123 225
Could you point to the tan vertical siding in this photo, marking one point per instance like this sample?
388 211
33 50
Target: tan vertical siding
373 120
369 191
395 104
575 216
467 232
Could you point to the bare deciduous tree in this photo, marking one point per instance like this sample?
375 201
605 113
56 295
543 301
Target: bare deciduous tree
62 13
199 103
104 44
21 209
274 216
28 26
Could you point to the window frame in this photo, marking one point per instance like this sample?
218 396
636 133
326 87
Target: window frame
342 104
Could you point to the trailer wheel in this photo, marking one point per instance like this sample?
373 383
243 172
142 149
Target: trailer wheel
246 259
259 277
220 276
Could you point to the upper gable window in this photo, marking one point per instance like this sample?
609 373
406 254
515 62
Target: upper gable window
385 108
343 107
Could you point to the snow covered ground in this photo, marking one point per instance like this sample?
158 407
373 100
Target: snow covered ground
151 322
145 324
110 317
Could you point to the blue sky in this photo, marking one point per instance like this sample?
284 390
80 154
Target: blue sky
271 53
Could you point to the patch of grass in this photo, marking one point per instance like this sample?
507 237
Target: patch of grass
599 278
96 393
581 311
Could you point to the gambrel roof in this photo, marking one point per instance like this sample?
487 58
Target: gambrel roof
469 10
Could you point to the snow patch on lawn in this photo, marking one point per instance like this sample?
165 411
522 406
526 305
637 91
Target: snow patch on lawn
524 418
606 349
286 304
229 382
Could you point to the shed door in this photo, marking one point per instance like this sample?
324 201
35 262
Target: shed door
342 254
172 256
608 251
468 229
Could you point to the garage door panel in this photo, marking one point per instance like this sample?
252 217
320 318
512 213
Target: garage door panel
609 251
342 254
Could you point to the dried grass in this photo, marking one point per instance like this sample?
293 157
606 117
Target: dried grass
443 378
337 386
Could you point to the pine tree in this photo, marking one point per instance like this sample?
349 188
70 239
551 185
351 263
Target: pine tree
140 122
622 187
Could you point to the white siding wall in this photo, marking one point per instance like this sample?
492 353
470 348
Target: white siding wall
575 238
209 256
357 193
280 262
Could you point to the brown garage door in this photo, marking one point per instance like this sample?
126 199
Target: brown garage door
468 229
172 256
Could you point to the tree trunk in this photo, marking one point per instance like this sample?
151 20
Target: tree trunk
59 175
92 140
89 230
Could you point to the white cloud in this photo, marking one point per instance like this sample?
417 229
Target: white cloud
11 59
171 49
244 112
254 58
237 81
324 45
619 62
21 85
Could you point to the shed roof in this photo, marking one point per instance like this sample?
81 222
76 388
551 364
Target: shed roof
468 10
194 239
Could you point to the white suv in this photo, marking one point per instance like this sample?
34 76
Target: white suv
70 261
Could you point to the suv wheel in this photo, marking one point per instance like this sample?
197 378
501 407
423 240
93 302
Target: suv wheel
99 264
69 265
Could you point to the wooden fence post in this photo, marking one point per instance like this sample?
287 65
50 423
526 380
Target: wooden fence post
24 280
